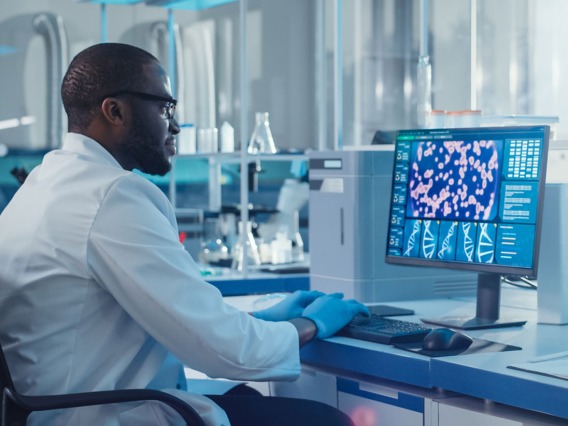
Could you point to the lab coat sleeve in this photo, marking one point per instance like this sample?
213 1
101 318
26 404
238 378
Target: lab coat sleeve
135 254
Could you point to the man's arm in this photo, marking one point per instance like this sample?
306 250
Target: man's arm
313 313
306 328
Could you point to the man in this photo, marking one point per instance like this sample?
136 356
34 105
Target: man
97 293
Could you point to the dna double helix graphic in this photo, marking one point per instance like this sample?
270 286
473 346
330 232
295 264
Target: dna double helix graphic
485 251
446 242
412 239
468 243
428 241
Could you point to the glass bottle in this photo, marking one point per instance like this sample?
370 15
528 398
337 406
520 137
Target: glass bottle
250 248
424 91
296 237
261 141
213 249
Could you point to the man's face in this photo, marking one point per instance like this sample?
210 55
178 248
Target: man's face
150 141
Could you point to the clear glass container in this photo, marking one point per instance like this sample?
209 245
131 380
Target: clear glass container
214 252
261 141
250 248
424 91
297 241
213 249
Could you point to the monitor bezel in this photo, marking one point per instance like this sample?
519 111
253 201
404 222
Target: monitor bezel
482 267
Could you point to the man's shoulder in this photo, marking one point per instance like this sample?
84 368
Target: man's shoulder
137 188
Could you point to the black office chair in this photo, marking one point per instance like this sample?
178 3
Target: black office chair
16 407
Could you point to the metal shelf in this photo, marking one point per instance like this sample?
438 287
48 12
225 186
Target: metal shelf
236 157
187 4
125 2
169 4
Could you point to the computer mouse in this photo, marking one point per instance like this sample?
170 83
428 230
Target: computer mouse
446 339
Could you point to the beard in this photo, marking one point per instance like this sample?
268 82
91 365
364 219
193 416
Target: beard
146 146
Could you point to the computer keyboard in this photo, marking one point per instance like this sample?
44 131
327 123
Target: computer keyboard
384 330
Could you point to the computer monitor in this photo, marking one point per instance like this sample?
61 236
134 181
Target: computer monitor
471 199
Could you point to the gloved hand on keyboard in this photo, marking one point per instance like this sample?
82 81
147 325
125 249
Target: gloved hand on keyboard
290 307
330 313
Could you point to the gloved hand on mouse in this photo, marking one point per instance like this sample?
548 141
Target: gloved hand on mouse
329 312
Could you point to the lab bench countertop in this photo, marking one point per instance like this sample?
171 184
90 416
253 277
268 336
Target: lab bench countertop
483 375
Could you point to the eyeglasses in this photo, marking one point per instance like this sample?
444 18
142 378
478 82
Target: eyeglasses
169 109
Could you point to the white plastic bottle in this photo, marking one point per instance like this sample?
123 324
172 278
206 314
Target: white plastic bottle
227 138
281 248
187 139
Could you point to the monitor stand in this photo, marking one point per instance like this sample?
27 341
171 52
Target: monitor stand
487 314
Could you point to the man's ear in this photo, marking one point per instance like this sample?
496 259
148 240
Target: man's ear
113 110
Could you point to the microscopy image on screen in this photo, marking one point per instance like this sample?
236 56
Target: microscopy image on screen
452 179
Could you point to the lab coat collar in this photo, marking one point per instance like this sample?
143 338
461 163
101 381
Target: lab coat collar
84 145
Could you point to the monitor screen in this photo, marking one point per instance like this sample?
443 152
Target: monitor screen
469 198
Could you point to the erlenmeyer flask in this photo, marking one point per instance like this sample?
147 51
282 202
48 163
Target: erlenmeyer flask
261 141
250 250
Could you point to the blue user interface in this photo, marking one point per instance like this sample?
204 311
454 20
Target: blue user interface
468 196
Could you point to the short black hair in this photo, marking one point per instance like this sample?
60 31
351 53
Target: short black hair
99 70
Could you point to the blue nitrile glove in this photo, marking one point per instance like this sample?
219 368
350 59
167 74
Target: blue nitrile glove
290 307
331 314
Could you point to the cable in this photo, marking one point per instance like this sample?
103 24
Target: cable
522 282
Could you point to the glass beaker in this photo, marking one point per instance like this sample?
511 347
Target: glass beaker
213 249
250 248
261 141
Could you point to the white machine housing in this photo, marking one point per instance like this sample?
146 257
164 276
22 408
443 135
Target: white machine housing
553 266
349 209
552 274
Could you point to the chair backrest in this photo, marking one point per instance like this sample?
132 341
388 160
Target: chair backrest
15 408
5 377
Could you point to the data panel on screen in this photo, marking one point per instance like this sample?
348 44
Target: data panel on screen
468 198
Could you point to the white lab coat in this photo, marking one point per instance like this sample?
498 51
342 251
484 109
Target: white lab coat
97 293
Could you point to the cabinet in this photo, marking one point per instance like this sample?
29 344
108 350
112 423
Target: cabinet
372 402
467 411
368 403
